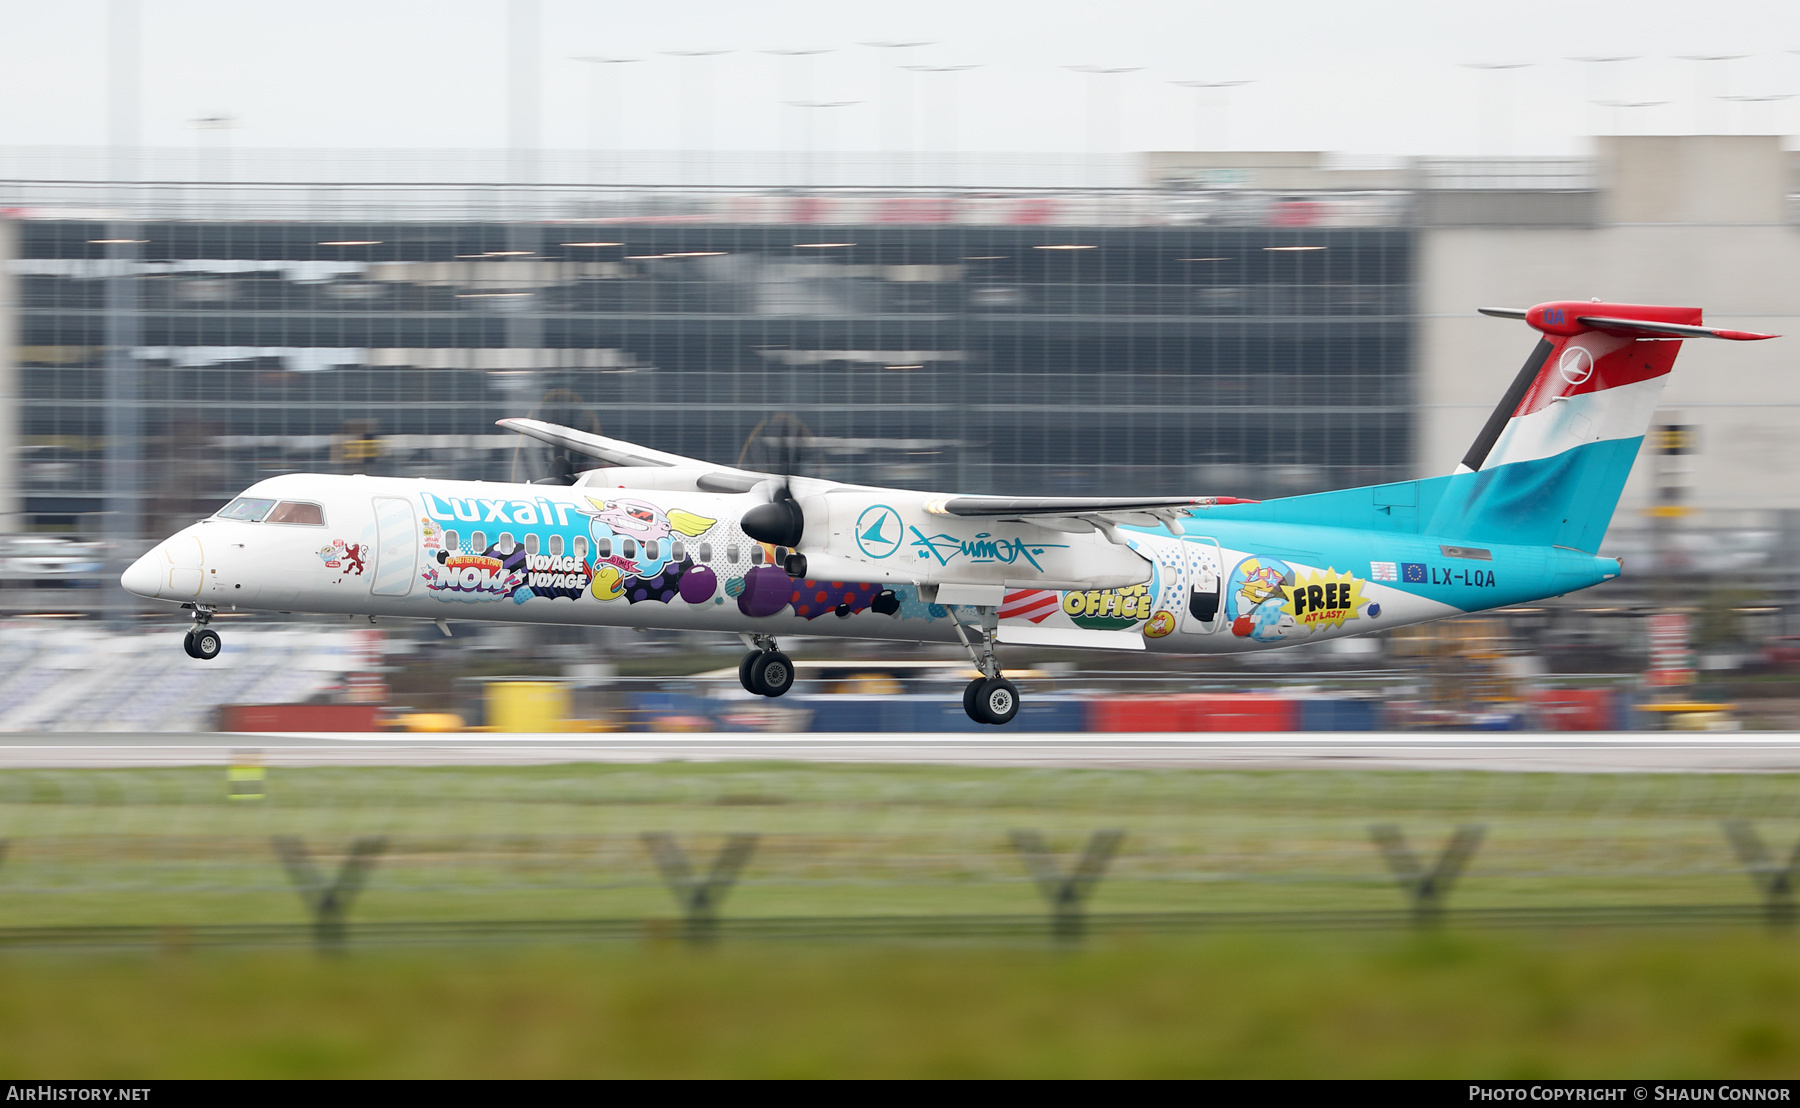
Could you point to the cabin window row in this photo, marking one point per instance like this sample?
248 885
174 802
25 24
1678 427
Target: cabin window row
605 548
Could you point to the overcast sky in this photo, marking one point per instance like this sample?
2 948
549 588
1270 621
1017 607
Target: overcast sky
1373 80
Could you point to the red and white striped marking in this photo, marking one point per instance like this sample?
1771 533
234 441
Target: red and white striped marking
1035 605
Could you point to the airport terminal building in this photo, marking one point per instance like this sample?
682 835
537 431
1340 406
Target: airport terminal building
1234 324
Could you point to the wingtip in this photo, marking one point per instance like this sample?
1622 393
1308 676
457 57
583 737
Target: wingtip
1503 313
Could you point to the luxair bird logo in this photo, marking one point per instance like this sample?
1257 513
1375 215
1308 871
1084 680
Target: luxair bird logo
878 531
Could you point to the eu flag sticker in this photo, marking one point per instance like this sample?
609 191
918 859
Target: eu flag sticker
1413 573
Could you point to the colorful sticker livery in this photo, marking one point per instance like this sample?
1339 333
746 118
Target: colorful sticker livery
983 549
345 557
638 540
1318 600
812 599
454 570
554 575
1035 605
489 575
1255 602
1108 609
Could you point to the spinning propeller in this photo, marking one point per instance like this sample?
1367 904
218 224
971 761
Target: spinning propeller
779 446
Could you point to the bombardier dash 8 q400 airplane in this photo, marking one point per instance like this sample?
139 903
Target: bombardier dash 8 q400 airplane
659 540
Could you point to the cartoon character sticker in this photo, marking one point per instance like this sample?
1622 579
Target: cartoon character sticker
349 558
1255 602
1161 624
634 544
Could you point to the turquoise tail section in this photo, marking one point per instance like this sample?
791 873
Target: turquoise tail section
1565 500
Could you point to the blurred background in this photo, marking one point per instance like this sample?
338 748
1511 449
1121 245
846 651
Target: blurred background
1161 252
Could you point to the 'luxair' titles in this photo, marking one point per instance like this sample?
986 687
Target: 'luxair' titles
476 509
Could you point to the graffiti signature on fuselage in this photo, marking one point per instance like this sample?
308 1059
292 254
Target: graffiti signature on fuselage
982 549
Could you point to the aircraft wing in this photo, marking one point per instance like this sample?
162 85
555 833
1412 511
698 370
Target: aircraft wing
1077 513
618 452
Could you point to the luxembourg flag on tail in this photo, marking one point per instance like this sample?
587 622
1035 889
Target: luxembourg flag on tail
1552 459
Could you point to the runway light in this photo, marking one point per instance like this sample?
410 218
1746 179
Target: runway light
1289 249
1214 259
352 242
821 245
1067 246
694 254
593 244
115 242
986 257
921 366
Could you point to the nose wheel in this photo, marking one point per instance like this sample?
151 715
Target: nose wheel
765 671
202 642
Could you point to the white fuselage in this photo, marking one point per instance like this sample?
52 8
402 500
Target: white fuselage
601 554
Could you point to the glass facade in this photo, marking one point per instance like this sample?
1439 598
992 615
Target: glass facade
924 349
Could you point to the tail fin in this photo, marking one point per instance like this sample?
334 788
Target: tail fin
1549 465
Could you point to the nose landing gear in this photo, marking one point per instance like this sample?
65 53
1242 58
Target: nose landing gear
990 698
201 641
765 671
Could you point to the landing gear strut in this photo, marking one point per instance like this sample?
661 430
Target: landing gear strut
990 698
765 671
201 641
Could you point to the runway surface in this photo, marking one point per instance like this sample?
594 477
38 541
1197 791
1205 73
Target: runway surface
1717 752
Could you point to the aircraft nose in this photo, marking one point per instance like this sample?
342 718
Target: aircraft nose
145 575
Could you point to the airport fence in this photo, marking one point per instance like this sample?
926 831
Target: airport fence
249 854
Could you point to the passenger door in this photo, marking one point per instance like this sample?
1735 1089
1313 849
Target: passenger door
396 547
1201 613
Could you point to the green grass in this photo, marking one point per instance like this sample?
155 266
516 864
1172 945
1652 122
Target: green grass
561 842
165 847
1616 1004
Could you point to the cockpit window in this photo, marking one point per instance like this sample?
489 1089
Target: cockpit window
249 509
296 511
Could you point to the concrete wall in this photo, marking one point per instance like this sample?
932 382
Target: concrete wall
1692 220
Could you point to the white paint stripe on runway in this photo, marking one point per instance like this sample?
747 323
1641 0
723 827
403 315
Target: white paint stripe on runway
1516 752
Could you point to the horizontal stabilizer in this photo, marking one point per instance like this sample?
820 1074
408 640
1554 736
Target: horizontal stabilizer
1673 330
1631 327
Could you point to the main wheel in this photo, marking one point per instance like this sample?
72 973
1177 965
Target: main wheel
999 701
745 678
206 644
187 644
972 700
772 673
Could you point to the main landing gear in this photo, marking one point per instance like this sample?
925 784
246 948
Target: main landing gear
990 698
202 642
765 671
